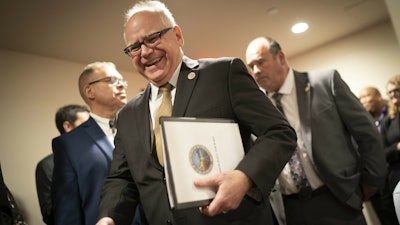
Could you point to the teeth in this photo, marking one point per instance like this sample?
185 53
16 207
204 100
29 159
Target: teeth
154 62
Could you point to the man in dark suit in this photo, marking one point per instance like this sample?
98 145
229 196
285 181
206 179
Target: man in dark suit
339 148
205 88
67 118
82 157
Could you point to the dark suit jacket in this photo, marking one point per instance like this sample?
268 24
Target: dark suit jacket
390 131
81 162
340 136
6 215
44 176
222 88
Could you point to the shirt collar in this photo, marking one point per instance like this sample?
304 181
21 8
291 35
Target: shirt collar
173 81
287 85
99 119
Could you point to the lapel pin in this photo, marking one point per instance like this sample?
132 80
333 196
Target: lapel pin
307 89
191 75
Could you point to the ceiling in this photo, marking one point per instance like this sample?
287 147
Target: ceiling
91 30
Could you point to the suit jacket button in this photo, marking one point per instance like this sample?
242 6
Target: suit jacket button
169 222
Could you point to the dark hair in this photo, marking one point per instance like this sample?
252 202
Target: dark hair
274 46
68 113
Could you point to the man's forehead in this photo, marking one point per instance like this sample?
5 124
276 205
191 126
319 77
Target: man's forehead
142 24
254 54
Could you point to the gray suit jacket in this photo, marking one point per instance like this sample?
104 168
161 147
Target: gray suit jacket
222 88
340 137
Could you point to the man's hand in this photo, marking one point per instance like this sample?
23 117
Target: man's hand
105 221
230 186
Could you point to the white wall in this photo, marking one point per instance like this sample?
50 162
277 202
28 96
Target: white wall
369 57
33 87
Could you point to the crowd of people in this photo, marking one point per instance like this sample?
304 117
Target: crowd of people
314 151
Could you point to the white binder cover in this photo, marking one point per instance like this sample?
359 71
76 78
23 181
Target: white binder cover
195 148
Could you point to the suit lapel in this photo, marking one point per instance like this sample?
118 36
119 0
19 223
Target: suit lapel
186 81
304 91
98 136
142 117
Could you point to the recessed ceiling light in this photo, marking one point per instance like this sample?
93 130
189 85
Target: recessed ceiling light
272 11
299 28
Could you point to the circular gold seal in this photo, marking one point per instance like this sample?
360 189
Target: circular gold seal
201 159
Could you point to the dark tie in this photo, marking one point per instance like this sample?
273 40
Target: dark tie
296 169
278 104
164 110
112 126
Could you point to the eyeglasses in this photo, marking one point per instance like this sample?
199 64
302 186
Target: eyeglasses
151 41
112 80
394 92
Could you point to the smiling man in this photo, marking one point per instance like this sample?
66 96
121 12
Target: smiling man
206 88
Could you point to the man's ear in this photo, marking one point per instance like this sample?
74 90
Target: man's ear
179 36
89 92
281 56
67 126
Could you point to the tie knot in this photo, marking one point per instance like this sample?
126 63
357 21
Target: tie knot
112 124
166 88
277 97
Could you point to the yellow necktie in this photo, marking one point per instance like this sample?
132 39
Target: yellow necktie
164 110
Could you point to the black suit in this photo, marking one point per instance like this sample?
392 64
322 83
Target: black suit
44 177
221 88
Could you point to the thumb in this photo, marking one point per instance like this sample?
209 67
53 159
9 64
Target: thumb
206 181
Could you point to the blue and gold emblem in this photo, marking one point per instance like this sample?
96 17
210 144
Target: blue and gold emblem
201 159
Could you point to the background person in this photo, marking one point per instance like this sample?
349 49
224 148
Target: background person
10 213
372 101
82 157
330 171
67 118
390 131
382 201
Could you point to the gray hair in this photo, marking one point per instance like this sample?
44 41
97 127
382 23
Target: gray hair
152 6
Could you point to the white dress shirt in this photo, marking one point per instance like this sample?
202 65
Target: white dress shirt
291 110
104 124
156 98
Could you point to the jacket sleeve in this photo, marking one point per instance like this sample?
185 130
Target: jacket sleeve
361 127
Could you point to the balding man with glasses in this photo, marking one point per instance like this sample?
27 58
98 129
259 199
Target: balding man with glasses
183 87
82 157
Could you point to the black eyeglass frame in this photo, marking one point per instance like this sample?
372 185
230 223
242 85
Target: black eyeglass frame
138 45
113 81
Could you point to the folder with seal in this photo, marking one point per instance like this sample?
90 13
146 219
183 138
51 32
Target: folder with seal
194 148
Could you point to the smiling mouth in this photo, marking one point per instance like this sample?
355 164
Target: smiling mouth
121 94
153 62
